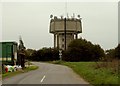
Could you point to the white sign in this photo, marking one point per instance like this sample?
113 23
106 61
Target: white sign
60 54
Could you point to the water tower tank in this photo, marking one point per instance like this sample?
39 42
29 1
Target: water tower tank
64 30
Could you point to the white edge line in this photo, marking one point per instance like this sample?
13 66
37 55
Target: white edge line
42 78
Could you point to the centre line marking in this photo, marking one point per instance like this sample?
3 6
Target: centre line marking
42 78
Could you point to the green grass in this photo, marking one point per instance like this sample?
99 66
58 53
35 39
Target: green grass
10 74
30 68
56 62
87 70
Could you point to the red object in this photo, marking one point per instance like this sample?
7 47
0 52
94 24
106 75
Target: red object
6 69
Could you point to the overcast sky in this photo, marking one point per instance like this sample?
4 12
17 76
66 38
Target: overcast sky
31 21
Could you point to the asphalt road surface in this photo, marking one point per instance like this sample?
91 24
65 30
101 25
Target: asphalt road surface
46 74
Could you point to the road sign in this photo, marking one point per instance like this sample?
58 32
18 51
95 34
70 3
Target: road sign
60 54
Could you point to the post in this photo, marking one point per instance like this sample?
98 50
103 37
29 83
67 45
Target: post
54 40
60 54
58 41
76 36
65 31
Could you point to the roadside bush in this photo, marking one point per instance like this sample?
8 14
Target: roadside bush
117 51
83 50
45 54
113 53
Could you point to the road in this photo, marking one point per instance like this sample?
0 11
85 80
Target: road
47 74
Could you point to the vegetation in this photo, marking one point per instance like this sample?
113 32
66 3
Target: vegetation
83 50
113 53
44 54
27 69
117 51
78 50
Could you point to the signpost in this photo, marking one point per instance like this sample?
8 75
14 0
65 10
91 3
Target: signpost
60 54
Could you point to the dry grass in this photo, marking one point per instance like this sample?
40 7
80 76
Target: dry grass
112 65
102 76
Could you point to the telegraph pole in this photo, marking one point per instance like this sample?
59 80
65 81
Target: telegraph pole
65 31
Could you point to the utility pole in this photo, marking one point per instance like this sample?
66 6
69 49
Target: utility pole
65 31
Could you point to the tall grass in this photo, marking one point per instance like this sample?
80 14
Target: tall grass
97 74
112 65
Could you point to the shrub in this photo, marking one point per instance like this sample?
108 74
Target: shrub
83 50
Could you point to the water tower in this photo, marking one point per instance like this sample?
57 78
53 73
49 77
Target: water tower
65 30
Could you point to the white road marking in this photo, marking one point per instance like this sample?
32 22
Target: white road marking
42 78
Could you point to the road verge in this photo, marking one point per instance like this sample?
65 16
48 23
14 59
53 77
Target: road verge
89 72
11 74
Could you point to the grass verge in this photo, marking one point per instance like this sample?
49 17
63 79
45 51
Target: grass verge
96 77
27 69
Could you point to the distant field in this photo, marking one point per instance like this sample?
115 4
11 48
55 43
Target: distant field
95 76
